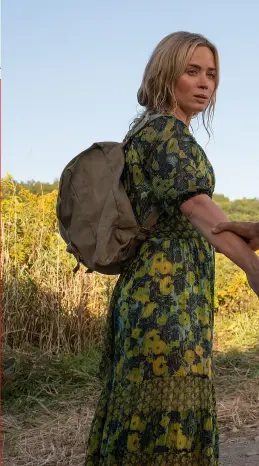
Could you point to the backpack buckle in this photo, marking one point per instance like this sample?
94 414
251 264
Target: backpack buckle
144 230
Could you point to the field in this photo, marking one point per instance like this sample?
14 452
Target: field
52 334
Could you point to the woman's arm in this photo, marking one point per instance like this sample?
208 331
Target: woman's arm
204 214
248 230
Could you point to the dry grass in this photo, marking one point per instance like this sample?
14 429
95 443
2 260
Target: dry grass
48 408
52 320
51 308
53 435
48 423
237 369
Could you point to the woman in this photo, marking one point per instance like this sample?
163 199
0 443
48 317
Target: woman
158 404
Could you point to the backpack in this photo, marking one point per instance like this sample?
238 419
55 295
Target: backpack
94 213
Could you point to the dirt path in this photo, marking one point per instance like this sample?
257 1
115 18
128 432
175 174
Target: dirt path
58 438
240 449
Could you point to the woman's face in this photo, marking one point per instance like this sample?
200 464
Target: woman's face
195 87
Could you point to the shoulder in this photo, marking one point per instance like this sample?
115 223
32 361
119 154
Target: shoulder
165 127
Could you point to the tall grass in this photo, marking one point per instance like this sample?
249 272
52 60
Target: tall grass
43 303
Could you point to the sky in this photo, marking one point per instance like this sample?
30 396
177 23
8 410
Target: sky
71 70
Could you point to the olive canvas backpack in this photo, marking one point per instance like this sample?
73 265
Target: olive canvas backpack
95 216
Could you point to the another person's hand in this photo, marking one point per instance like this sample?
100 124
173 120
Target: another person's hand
249 231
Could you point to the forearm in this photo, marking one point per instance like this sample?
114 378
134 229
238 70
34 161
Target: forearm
204 214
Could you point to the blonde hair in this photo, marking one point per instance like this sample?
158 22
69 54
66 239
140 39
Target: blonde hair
165 66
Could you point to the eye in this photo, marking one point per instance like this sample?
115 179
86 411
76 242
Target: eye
192 72
212 75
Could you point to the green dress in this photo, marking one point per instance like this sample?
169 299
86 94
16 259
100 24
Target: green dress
158 405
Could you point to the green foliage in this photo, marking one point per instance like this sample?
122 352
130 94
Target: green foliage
30 373
44 304
11 186
246 210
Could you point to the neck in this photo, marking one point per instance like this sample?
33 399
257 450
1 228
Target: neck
183 116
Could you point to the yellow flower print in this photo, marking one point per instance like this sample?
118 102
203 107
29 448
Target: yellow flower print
124 310
208 425
201 256
135 422
133 442
155 165
166 244
160 347
156 262
181 441
207 334
127 289
152 335
199 350
135 333
149 134
166 286
160 366
182 154
165 268
93 447
141 272
209 368
141 295
161 440
136 351
161 320
209 452
198 368
138 176
165 421
172 146
149 309
206 285
127 344
133 156
119 367
183 299
174 428
167 131
181 372
150 338
135 375
184 319
202 315
161 264
191 277
189 356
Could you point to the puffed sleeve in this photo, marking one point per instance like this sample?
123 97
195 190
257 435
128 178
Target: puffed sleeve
177 166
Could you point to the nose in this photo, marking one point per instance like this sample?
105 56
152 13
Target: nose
204 82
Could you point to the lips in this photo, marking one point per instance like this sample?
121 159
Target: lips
201 96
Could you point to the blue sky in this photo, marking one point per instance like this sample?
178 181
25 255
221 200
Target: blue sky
71 71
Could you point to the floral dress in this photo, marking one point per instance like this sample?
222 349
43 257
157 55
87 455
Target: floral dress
158 406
